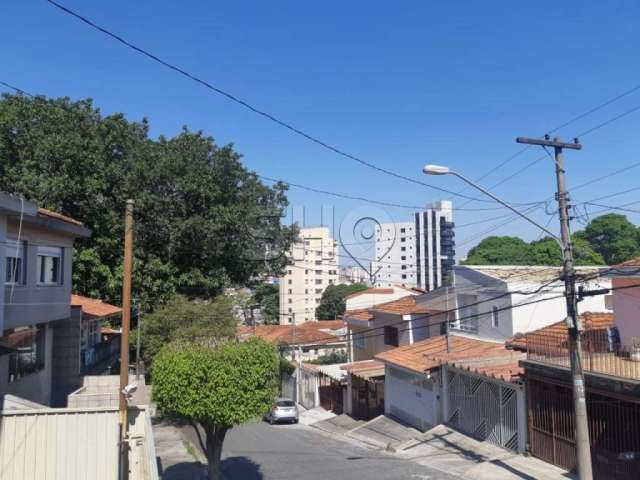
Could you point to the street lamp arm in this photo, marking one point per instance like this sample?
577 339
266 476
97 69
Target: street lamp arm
520 214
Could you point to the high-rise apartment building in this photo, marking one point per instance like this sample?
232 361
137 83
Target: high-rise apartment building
314 258
418 253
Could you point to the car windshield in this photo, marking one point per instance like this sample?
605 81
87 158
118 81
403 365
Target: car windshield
285 403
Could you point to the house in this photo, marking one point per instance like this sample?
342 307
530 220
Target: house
94 315
471 385
389 325
497 302
314 339
611 363
35 320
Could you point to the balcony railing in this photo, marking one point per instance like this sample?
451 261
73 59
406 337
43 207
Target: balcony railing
600 353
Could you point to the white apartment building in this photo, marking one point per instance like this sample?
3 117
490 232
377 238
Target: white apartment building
353 274
314 268
419 253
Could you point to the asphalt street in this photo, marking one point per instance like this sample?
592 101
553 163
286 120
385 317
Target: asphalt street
259 451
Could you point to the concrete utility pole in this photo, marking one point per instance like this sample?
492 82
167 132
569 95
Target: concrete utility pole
583 447
124 343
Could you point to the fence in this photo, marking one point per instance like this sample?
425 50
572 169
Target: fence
601 353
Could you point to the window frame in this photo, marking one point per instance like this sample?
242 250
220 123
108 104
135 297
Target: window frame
55 253
391 336
21 271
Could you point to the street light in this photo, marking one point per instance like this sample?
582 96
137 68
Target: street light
583 447
442 170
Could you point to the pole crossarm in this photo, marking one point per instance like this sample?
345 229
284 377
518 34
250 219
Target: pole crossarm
550 143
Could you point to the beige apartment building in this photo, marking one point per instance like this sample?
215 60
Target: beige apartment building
314 267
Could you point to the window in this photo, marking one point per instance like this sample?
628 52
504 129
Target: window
289 272
290 310
49 265
404 276
403 249
290 291
358 341
15 262
403 239
403 257
391 336
495 319
27 357
319 291
306 272
318 281
403 267
290 282
402 230
290 301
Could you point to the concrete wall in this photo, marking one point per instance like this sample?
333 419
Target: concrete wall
66 358
626 307
35 386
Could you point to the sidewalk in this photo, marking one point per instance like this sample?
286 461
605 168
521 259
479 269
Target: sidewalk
450 451
177 459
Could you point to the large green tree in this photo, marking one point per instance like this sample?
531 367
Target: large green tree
184 319
332 303
498 251
216 388
203 221
612 236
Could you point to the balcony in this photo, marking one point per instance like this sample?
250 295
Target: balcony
599 353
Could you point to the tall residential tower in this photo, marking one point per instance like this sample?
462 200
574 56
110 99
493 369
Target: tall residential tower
315 267
419 253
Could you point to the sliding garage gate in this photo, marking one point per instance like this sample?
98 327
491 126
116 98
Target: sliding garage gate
484 408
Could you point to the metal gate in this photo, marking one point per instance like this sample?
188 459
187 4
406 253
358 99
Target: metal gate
614 431
331 394
483 408
288 386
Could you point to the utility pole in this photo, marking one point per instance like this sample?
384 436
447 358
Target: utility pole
138 335
583 447
124 343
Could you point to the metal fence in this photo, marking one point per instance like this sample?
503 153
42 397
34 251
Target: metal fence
601 353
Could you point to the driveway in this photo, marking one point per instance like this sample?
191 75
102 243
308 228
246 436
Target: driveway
259 451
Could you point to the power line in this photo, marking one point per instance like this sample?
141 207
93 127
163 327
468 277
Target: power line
251 107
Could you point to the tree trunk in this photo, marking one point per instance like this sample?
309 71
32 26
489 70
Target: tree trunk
215 439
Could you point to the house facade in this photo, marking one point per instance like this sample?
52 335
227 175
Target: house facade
35 309
498 302
390 325
611 362
468 384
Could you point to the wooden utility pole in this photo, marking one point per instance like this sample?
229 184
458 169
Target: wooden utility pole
583 447
124 343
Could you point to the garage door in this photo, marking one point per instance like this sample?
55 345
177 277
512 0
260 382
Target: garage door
412 398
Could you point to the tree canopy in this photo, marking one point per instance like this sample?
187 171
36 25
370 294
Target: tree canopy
216 387
181 319
606 240
332 303
201 216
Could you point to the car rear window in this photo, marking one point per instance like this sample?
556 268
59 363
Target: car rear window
285 403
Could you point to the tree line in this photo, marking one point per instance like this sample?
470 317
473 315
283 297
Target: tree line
606 240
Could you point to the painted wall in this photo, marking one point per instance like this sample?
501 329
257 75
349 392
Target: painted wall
412 397
626 307
31 303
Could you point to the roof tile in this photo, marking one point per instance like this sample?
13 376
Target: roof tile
92 308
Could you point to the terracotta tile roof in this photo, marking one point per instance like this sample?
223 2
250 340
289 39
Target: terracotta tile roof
306 333
370 291
92 308
508 370
633 262
361 314
58 216
109 331
365 368
590 321
402 306
432 352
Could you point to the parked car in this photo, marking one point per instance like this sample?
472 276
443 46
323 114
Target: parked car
283 410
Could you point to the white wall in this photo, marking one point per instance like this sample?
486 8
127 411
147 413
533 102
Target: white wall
409 400
366 300
626 307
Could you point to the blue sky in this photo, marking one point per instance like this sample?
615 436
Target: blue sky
430 82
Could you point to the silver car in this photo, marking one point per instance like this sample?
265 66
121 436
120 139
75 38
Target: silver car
283 410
